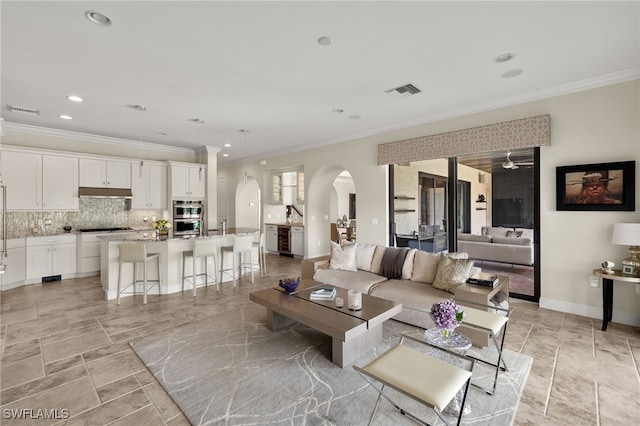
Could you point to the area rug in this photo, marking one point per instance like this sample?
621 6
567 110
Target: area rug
230 369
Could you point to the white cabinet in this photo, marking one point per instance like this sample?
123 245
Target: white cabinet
50 255
188 181
297 241
287 188
40 181
22 174
59 183
14 274
98 173
271 238
149 186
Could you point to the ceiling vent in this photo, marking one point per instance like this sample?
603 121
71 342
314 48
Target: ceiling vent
23 110
403 91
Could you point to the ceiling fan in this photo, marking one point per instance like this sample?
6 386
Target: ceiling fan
512 165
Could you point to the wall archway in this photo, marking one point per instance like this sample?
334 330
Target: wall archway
320 191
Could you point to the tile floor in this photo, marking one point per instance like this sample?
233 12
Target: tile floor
65 348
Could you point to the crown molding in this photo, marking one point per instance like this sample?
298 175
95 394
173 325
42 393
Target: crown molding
87 137
621 76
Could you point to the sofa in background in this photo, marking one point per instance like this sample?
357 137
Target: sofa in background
421 279
498 244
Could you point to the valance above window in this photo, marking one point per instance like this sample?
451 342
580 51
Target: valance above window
515 134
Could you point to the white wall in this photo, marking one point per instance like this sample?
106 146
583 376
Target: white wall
598 125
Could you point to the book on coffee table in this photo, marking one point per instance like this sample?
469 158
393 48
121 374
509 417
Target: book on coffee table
323 293
483 279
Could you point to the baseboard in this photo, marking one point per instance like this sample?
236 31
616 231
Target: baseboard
588 311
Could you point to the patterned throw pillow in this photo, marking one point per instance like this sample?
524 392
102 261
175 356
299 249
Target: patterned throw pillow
514 234
343 257
452 273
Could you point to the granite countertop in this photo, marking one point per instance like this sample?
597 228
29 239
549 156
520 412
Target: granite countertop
286 224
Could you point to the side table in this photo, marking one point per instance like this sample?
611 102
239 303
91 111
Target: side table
480 295
607 291
458 343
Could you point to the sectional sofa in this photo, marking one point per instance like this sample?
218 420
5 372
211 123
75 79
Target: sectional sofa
498 244
415 278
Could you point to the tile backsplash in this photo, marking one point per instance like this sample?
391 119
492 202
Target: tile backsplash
93 213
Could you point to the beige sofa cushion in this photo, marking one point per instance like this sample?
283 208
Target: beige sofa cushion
425 266
526 233
407 267
520 241
495 231
412 295
473 237
360 281
364 256
343 257
377 259
452 273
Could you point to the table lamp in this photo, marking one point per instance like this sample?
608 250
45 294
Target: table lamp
628 234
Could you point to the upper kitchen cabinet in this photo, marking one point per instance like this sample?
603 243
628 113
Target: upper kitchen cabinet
40 181
96 173
187 181
287 188
149 186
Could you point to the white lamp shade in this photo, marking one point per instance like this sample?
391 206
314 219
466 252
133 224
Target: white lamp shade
626 234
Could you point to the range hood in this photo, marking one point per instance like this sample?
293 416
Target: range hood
90 192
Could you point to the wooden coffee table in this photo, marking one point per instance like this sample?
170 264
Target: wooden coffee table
353 333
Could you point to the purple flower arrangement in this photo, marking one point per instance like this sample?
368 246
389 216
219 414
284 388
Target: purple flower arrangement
447 315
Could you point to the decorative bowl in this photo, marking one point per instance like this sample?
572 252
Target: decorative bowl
289 284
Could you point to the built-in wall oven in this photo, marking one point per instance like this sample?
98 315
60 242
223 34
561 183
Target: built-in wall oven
188 209
188 218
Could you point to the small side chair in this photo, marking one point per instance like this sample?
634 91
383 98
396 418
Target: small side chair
420 376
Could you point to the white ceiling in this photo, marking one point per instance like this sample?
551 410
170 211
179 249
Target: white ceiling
258 65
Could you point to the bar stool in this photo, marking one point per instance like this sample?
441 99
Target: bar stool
136 253
202 248
262 254
241 244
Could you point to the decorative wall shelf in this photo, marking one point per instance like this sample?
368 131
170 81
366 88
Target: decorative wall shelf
401 197
404 210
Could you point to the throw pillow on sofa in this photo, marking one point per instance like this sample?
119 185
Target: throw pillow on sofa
364 256
425 266
514 234
343 257
377 259
452 273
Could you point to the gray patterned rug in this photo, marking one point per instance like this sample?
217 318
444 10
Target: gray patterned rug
230 369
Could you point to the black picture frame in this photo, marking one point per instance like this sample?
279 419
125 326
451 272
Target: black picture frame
596 187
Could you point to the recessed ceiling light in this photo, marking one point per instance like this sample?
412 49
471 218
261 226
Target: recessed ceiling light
66 117
74 98
227 145
97 18
504 57
161 134
225 155
355 117
512 73
197 120
138 107
325 41
338 110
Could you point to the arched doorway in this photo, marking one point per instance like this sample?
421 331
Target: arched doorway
328 196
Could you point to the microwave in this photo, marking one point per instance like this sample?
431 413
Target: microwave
187 227
188 209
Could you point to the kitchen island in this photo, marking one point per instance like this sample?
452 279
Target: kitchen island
170 251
